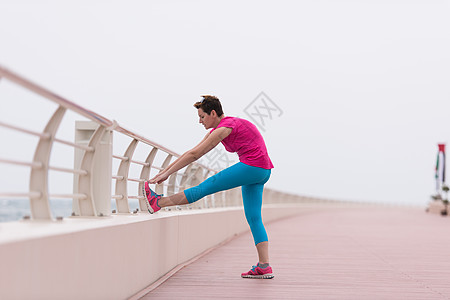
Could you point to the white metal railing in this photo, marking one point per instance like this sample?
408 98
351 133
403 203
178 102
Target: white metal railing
85 192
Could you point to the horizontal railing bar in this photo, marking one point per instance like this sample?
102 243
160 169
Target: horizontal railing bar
136 197
140 163
144 140
36 165
157 168
75 196
74 171
53 97
117 197
144 180
120 157
86 148
39 134
20 195
165 184
136 179
138 137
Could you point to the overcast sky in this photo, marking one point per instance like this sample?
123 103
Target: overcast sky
360 88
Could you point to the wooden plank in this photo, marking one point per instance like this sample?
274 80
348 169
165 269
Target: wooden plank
335 253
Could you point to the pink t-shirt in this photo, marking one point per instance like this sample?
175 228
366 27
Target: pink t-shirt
247 141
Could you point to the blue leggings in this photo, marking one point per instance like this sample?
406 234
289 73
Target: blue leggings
252 180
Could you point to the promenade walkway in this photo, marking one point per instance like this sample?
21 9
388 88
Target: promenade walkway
329 253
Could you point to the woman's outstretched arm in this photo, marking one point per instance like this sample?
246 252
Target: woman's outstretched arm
206 145
206 136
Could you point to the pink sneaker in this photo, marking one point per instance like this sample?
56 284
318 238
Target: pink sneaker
152 199
259 273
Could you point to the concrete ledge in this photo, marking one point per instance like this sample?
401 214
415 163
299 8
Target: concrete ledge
110 258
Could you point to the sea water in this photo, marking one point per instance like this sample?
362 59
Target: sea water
16 209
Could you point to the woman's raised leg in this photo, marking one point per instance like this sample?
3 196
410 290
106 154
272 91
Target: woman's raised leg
176 199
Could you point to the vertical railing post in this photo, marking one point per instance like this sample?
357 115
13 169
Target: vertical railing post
171 188
40 206
145 174
122 185
96 185
185 178
159 189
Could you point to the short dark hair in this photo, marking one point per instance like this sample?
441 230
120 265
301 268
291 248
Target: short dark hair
208 104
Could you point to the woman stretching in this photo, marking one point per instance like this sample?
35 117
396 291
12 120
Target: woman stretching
251 173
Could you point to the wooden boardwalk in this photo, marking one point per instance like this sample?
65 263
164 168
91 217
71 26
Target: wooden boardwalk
333 253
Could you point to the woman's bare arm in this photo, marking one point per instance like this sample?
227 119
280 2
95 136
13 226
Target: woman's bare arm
207 144
206 136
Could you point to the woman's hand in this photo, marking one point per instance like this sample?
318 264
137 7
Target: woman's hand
162 176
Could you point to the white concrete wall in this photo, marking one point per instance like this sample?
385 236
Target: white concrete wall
113 257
